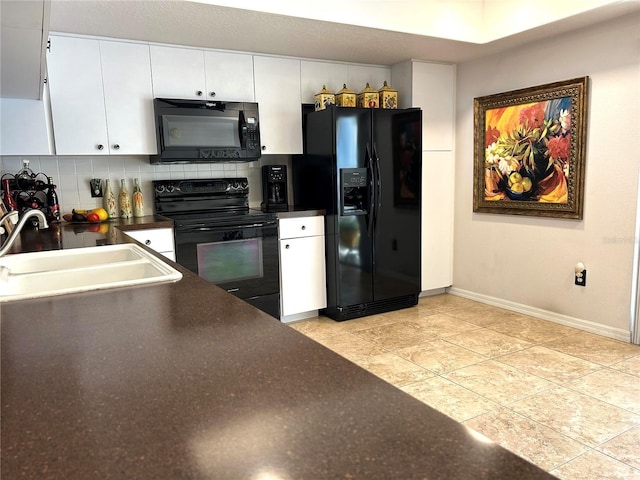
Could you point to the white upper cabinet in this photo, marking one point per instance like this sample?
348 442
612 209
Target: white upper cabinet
229 76
126 77
77 96
197 74
277 83
430 86
101 100
178 72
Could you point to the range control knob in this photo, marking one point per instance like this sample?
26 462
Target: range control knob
160 188
170 188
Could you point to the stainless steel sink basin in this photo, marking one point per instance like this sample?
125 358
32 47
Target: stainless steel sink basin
57 272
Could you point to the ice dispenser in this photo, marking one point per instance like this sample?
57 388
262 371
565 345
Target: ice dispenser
354 191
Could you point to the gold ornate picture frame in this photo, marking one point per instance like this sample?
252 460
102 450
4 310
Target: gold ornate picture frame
529 150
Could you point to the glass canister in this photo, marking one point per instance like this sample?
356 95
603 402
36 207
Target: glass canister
388 97
346 97
324 98
368 98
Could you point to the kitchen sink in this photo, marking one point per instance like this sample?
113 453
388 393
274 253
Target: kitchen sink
58 272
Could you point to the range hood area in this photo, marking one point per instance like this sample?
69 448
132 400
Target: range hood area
23 39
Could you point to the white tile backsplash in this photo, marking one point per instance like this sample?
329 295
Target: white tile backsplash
72 174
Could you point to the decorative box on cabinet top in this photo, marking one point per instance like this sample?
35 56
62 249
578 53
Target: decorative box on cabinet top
324 98
368 98
388 97
346 97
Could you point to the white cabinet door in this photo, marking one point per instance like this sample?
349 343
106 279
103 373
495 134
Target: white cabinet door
126 76
437 219
77 96
229 76
178 72
277 83
314 75
158 239
434 91
101 97
303 274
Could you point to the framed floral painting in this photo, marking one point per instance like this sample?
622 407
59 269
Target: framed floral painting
529 148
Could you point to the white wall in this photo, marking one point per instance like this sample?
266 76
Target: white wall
530 260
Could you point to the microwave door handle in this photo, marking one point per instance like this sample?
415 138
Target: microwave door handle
242 129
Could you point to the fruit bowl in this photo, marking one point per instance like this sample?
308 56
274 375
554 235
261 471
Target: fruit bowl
519 186
96 215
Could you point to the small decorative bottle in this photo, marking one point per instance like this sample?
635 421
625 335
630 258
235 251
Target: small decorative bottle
124 201
53 206
9 202
138 202
109 200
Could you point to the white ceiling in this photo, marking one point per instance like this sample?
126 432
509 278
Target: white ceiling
381 32
409 30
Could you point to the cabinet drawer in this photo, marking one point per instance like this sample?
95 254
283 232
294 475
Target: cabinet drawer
301 227
160 239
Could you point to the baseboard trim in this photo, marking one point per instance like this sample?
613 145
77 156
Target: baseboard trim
587 326
294 317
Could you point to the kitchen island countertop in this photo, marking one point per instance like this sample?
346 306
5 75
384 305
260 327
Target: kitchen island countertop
185 381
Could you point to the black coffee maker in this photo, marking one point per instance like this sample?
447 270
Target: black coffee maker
274 188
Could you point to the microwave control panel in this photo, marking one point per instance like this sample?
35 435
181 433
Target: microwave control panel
251 131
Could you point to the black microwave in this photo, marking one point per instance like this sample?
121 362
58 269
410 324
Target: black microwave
199 131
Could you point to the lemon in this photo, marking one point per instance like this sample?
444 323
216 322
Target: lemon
102 213
515 177
526 184
517 188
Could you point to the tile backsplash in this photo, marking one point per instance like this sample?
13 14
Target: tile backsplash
71 174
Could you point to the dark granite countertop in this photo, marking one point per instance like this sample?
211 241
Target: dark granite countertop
184 381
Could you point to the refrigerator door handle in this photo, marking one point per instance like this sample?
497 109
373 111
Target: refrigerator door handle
377 183
371 175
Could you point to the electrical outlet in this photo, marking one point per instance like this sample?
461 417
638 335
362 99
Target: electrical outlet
95 185
581 279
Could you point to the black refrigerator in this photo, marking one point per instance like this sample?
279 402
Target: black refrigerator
364 168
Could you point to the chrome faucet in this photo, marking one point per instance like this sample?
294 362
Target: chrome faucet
18 228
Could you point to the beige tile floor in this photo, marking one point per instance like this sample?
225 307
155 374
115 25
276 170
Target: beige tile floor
566 400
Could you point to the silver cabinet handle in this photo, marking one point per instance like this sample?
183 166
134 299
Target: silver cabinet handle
304 227
212 94
286 246
116 147
100 146
199 93
147 242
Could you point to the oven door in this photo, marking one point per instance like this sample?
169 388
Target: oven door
242 258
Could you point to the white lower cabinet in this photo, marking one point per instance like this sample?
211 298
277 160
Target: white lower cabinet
158 239
303 288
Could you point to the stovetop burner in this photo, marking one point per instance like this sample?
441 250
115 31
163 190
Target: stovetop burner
213 201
